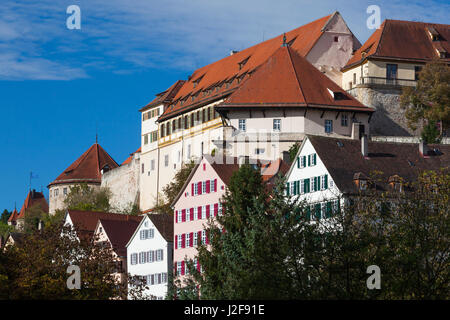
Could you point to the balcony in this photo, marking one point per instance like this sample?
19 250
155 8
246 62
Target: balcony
365 82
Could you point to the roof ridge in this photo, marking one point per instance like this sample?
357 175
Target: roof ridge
296 76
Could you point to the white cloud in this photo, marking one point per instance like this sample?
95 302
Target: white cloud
123 35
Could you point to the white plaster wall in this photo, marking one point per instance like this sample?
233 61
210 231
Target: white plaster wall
158 242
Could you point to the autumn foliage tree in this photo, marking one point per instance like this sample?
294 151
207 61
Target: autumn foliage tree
430 99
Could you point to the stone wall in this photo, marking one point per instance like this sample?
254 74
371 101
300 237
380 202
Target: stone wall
389 118
123 182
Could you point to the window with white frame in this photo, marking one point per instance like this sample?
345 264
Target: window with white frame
203 187
195 189
195 213
211 185
180 216
142 257
292 185
178 268
179 240
331 183
323 207
133 258
195 240
203 212
276 124
219 211
303 162
151 256
188 241
335 206
242 125
302 186
322 182
164 277
203 236
313 184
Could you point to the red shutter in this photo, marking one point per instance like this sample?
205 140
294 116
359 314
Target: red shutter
208 186
191 242
199 238
215 185
199 188
207 237
198 265
192 189
199 213
183 215
191 215
183 240
207 211
176 242
182 268
204 167
216 209
176 216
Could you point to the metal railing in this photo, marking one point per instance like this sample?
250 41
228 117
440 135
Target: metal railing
386 81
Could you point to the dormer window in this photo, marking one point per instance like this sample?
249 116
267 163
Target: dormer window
242 63
361 181
433 33
396 183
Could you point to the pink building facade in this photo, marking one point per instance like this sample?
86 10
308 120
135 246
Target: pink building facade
199 200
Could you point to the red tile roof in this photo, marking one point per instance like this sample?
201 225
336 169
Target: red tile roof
33 199
215 75
13 216
287 79
164 223
119 233
404 40
165 96
85 222
87 168
131 157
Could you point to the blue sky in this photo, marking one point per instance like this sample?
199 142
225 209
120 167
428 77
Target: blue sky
57 85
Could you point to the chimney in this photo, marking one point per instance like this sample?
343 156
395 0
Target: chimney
423 148
364 146
233 52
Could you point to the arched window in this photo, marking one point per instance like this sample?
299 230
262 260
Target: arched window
162 130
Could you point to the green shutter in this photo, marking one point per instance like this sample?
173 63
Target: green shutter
307 186
326 182
308 213
309 160
317 211
318 183
314 159
287 188
304 160
329 210
298 162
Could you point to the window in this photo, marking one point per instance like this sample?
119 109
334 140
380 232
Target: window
302 186
211 185
179 240
195 241
328 126
195 213
203 236
203 187
134 258
276 124
180 217
313 184
152 164
56 192
203 212
324 182
344 120
336 38
159 255
391 71
220 209
259 151
292 187
178 268
166 160
164 277
323 207
417 70
303 162
242 125
65 191
142 257
354 78
195 189
188 241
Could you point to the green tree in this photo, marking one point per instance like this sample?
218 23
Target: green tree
171 190
43 257
85 198
284 249
5 216
293 150
430 133
430 99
